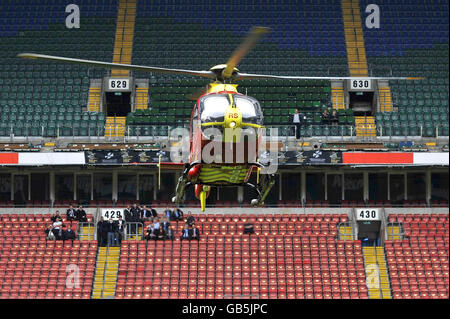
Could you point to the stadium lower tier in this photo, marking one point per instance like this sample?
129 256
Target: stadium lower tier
291 256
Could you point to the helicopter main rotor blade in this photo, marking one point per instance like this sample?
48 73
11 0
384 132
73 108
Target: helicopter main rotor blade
249 42
107 65
243 76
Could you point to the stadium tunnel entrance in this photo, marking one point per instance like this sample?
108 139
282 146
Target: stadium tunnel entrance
362 103
117 103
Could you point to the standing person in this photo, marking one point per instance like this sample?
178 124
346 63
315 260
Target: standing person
111 232
135 217
190 220
297 121
101 232
127 213
81 215
120 229
71 213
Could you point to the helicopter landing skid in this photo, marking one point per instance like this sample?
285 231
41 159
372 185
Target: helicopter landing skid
262 189
183 182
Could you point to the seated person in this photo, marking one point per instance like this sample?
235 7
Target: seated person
185 233
49 232
71 213
56 217
168 213
190 220
325 117
164 225
69 234
150 232
169 233
195 233
177 214
57 229
334 118
157 228
81 215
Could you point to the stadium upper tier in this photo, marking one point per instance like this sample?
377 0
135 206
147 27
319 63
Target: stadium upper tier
412 39
307 38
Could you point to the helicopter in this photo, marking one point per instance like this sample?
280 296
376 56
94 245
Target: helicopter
219 106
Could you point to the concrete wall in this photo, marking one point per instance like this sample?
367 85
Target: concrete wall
237 210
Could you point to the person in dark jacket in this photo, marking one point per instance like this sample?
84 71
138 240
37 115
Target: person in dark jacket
154 212
101 232
112 230
121 224
190 220
195 233
69 234
127 213
81 215
135 217
56 217
185 233
168 213
177 214
165 224
170 234
334 118
325 117
71 213
145 214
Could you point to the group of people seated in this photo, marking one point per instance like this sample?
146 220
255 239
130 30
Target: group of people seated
162 229
76 214
58 230
328 119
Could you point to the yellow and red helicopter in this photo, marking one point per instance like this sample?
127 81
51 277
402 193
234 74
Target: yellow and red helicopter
221 107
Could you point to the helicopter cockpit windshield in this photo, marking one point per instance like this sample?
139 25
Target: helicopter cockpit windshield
213 108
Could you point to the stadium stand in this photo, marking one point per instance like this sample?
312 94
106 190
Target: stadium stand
286 258
193 44
32 267
418 264
419 46
46 99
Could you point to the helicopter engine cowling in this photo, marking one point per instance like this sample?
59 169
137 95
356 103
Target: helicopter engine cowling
194 172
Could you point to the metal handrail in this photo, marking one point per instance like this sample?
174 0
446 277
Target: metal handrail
89 225
138 234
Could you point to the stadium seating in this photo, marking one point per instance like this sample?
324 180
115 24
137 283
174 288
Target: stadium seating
32 267
46 99
406 46
418 264
290 256
188 38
